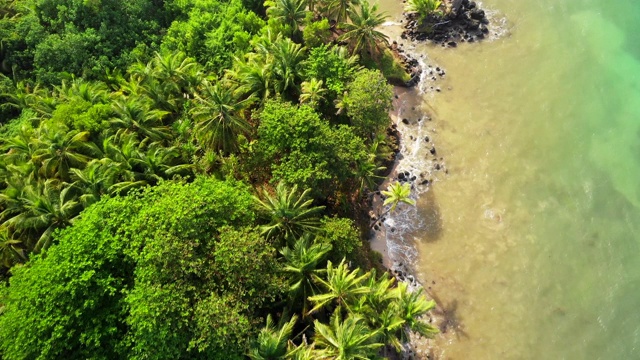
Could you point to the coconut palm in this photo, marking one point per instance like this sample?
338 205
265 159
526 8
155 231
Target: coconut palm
11 251
424 8
341 287
367 172
291 214
63 150
303 352
361 33
301 265
218 113
288 12
133 115
350 339
379 309
272 342
159 162
312 92
338 10
397 193
94 180
254 79
91 92
45 209
287 64
412 305
21 151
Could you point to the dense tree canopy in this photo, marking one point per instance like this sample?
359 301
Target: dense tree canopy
174 175
153 275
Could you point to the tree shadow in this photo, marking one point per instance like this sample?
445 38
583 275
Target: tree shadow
451 322
430 213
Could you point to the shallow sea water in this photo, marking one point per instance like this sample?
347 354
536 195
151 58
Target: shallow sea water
532 241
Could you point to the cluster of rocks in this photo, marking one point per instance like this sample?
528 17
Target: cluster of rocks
402 274
466 24
411 65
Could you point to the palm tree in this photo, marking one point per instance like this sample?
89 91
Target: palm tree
397 193
272 341
287 64
21 152
219 118
94 180
254 79
291 214
63 150
91 92
45 209
424 8
341 285
301 265
367 171
168 79
289 12
159 162
378 307
338 10
350 339
312 92
303 352
133 115
411 306
361 33
10 250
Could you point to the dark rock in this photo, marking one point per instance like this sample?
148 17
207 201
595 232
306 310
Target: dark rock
405 121
452 44
413 178
471 5
433 150
477 14
426 138
401 176
424 182
438 167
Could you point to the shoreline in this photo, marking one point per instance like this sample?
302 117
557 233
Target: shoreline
408 112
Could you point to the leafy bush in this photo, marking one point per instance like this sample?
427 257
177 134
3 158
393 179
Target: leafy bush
156 275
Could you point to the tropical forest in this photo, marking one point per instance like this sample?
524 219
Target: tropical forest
190 179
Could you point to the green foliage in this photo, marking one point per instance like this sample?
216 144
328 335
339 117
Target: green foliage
272 341
390 66
303 262
154 275
290 213
342 235
308 152
397 193
361 33
59 37
290 13
316 33
424 8
367 102
332 66
213 32
350 339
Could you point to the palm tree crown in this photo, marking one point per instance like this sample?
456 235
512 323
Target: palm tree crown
291 213
361 33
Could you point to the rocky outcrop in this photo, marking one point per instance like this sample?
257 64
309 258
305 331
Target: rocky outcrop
465 23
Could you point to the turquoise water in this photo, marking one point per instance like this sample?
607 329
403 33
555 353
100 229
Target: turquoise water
537 253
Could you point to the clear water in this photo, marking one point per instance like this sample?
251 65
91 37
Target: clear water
532 241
